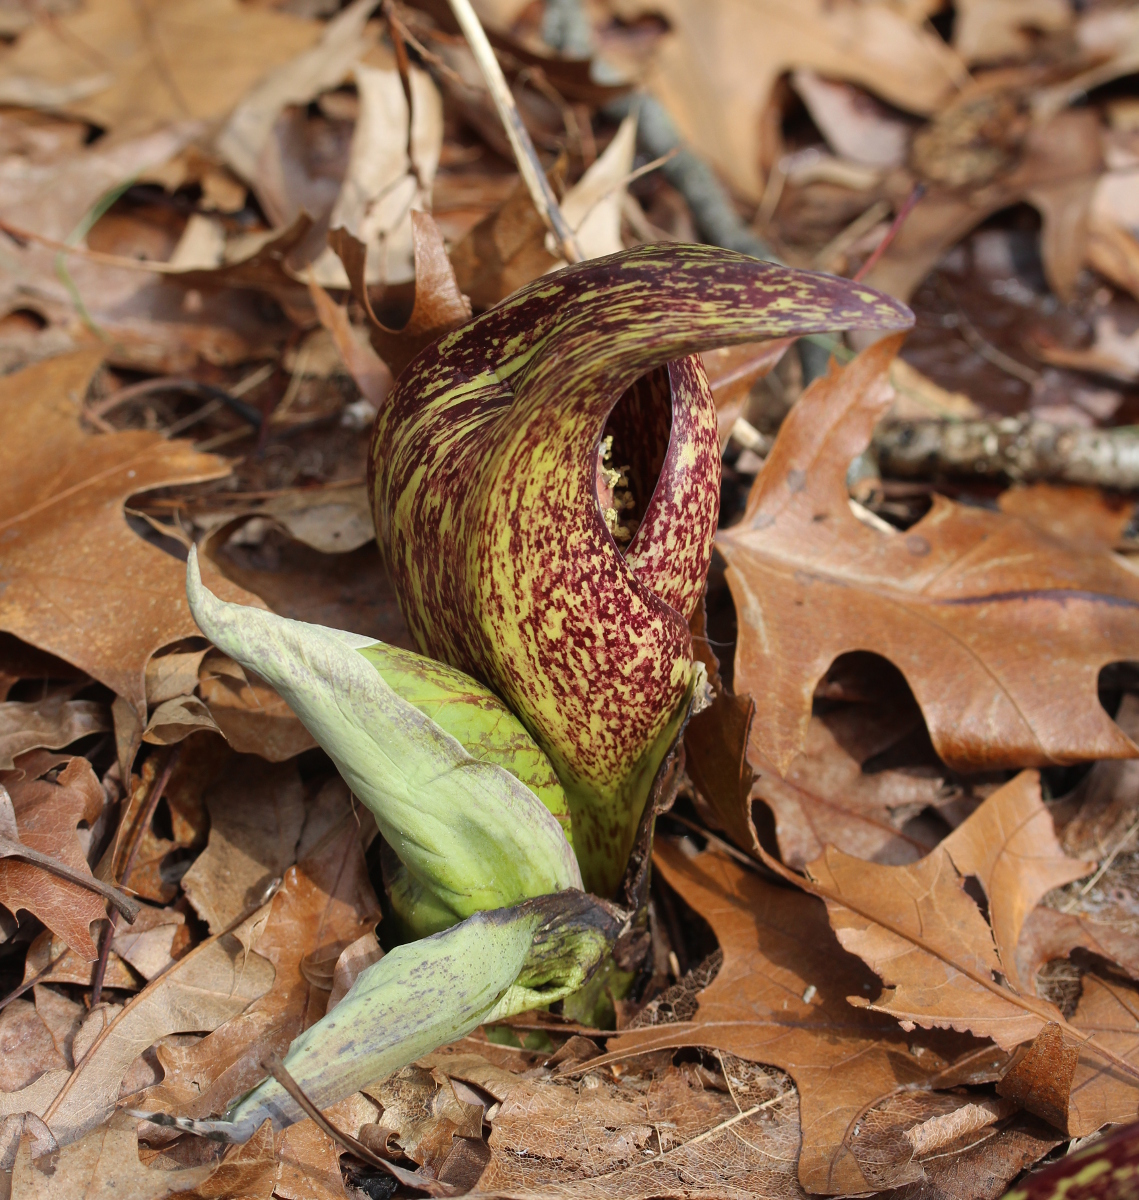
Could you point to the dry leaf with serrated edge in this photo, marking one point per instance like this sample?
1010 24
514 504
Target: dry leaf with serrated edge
780 998
104 1165
67 546
921 931
214 982
326 899
47 813
960 602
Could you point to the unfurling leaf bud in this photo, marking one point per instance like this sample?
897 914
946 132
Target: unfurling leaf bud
472 833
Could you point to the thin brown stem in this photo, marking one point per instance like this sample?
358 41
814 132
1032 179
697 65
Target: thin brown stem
147 815
915 195
273 1064
518 135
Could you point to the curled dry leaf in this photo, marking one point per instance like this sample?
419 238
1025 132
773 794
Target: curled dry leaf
67 538
53 722
439 305
957 602
780 998
47 813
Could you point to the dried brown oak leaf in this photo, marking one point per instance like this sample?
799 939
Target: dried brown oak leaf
964 603
780 998
922 932
828 799
102 1166
74 577
47 814
718 64
213 982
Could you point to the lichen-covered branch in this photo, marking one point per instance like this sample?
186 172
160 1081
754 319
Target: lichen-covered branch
1018 448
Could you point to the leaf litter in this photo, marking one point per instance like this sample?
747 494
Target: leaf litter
225 231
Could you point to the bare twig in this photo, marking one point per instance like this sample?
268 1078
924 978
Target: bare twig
273 1064
527 157
1017 448
916 193
175 383
147 815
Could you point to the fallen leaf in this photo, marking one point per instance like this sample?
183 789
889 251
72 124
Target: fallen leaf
1050 934
173 674
777 951
352 960
53 722
954 602
993 31
325 900
855 125
504 251
27 1048
382 186
716 68
316 69
103 1165
52 956
201 762
180 59
309 1160
248 1171
650 1129
439 305
1102 1093
1112 352
1084 516
921 931
256 813
827 798
148 944
214 982
1056 169
67 537
333 520
47 813
251 716
511 246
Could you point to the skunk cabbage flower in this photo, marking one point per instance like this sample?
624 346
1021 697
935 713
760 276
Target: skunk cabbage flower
484 475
